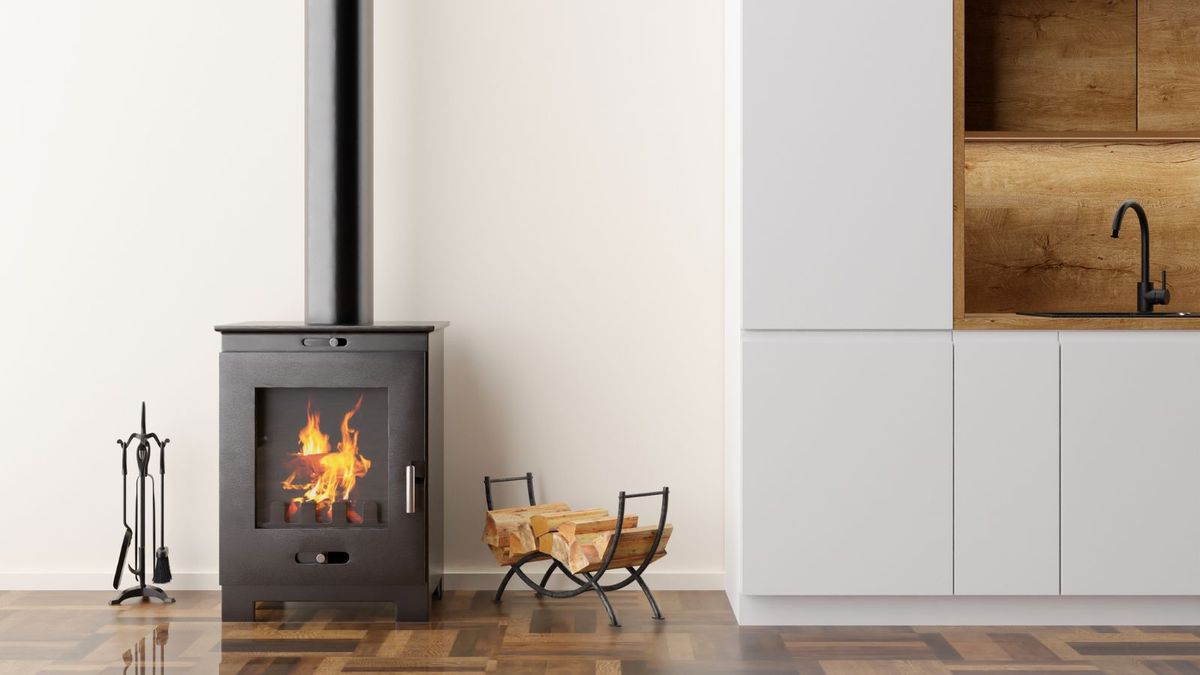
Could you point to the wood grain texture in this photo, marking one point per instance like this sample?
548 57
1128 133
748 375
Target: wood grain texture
1038 218
1168 65
58 632
1053 65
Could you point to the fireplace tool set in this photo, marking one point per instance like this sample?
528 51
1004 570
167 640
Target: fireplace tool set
157 523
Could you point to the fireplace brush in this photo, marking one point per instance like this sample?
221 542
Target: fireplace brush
162 564
162 567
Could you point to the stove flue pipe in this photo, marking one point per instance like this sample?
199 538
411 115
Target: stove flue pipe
339 170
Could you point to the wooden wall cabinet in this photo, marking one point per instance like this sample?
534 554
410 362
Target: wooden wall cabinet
847 202
1005 463
1130 461
847 463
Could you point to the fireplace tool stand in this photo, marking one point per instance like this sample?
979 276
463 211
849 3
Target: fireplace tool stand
142 455
589 581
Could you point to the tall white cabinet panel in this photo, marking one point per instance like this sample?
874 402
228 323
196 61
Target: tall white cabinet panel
1005 463
846 150
1130 463
847 471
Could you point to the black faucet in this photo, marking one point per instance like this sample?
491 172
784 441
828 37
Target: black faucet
1147 295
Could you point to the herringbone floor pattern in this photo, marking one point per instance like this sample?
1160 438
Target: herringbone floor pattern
78 632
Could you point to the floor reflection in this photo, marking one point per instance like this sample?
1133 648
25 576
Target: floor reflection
154 655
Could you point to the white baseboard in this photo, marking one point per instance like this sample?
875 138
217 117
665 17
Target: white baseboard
756 610
180 581
483 580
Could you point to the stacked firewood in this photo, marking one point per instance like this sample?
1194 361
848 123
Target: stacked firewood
579 539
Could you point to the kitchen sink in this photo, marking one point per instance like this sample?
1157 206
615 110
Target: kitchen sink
1114 315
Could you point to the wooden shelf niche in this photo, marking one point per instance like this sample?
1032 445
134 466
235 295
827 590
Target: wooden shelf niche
1067 108
1082 65
1051 65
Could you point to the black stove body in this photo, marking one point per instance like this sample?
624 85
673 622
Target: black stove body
375 393
331 429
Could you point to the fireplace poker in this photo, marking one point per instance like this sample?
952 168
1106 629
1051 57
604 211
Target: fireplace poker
139 505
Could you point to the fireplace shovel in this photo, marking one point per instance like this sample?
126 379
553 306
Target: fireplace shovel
124 517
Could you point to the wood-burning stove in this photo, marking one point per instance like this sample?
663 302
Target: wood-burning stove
331 429
331 465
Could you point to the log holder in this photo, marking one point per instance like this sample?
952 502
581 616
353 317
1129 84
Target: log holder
590 581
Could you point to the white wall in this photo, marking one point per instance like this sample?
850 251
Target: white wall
151 186
556 192
549 179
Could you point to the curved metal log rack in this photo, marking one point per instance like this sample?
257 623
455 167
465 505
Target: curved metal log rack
589 581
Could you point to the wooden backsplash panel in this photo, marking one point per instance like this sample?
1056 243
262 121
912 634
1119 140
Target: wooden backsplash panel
1038 223
1051 65
1169 65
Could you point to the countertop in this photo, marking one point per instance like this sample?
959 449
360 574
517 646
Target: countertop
1022 322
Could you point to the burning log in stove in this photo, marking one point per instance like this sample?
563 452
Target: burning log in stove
324 476
340 513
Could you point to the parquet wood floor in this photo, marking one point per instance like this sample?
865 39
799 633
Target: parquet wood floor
78 632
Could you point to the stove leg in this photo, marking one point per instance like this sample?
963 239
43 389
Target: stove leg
236 606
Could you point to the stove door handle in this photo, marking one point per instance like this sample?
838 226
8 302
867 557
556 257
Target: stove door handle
410 489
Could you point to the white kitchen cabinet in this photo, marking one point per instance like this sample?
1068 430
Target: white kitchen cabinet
1130 463
846 463
1005 463
846 164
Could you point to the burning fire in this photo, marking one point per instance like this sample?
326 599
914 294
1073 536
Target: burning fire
323 475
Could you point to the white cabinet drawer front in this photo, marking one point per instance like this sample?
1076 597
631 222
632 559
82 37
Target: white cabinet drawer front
847 473
847 164
1130 464
1006 463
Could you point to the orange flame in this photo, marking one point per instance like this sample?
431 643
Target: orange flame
325 476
